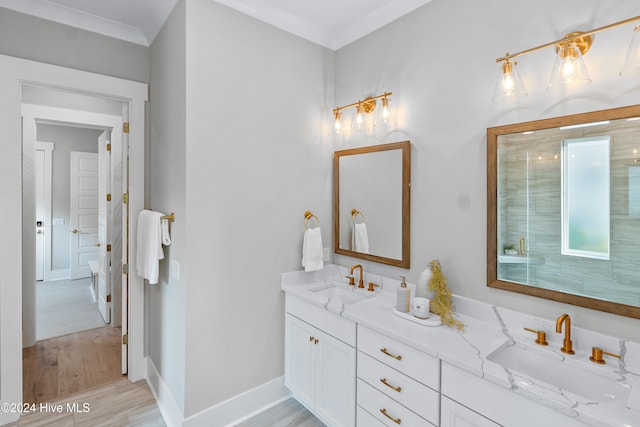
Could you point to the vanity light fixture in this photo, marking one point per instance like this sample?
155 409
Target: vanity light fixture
569 66
364 107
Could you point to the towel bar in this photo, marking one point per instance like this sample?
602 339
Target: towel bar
171 217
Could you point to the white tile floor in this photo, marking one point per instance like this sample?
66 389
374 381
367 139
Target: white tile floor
64 307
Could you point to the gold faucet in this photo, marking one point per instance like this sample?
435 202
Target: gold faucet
567 346
361 281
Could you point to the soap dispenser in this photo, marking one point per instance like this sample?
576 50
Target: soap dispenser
402 303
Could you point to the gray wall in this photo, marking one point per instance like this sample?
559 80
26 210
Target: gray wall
66 140
167 193
37 39
251 132
439 61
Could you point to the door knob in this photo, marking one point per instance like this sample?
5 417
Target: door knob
39 232
98 244
75 231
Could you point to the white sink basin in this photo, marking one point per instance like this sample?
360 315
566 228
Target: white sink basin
340 295
593 383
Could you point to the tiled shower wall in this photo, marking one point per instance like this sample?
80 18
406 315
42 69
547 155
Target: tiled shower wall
529 198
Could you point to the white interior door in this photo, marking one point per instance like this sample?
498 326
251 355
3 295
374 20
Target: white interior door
40 213
104 225
84 213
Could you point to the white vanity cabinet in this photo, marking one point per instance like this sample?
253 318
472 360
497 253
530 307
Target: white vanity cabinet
320 361
397 384
454 414
470 401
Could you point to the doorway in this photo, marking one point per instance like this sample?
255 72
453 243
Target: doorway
74 350
19 236
67 220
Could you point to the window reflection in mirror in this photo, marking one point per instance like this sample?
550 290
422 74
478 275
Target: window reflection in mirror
564 209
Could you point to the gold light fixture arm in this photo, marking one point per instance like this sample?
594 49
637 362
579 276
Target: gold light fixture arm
368 104
571 37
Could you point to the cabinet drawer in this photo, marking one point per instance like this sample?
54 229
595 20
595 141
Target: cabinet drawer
410 393
331 323
417 365
387 410
365 419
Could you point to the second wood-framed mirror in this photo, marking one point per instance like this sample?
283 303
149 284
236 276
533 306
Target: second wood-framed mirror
563 209
371 207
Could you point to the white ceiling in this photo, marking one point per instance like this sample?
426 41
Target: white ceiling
330 23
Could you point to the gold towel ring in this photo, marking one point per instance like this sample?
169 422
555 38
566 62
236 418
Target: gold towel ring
354 213
307 216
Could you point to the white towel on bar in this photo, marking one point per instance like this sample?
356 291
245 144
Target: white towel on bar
360 238
312 250
152 234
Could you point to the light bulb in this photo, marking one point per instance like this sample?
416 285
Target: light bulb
337 124
358 122
569 67
508 85
385 109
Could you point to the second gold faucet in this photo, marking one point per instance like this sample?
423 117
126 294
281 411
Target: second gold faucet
567 346
361 281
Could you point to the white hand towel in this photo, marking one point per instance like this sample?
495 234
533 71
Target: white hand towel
360 238
312 250
149 251
166 237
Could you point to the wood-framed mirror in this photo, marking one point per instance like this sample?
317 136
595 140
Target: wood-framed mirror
371 203
563 209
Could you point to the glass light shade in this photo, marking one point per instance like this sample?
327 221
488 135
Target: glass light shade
569 67
632 61
338 124
509 85
383 114
358 122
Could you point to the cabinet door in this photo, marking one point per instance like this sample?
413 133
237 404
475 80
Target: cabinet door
336 381
299 367
455 415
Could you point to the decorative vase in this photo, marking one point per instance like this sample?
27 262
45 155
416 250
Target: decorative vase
422 287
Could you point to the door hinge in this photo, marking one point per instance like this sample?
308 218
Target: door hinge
125 198
109 298
108 147
109 248
125 269
125 127
125 339
108 197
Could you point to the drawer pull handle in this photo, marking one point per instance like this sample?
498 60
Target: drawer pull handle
311 339
395 420
384 381
384 350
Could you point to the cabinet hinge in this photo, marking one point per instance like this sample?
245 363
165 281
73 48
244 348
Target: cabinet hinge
109 298
108 197
125 198
125 269
125 127
125 339
108 147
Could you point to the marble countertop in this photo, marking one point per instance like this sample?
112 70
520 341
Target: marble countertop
488 328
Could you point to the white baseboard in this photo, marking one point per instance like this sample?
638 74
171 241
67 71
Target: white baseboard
241 407
169 409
